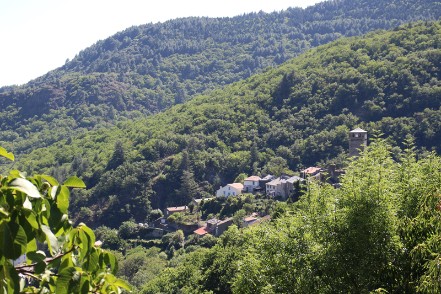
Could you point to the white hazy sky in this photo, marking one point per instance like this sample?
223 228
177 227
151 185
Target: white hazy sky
39 35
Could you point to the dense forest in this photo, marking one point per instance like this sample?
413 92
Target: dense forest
379 233
161 114
287 118
148 68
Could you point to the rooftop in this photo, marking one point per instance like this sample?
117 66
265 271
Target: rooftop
294 179
250 219
358 130
213 221
201 231
311 170
177 208
253 178
238 186
275 182
267 178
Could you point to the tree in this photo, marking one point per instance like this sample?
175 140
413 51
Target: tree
117 157
189 188
277 166
240 178
34 214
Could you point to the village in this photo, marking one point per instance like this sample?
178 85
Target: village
190 219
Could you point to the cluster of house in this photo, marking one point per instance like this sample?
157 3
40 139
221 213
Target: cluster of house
272 186
281 187
212 226
269 185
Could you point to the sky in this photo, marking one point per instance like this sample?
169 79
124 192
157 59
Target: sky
38 36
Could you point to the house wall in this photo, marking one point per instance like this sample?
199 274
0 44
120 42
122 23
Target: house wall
270 190
249 186
227 191
223 226
280 191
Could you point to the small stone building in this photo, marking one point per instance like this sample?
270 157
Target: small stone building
358 140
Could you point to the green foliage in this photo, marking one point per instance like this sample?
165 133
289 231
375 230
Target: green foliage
117 157
379 232
202 144
148 68
34 213
109 238
140 265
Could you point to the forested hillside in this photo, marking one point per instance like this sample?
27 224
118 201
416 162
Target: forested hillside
296 115
146 69
379 233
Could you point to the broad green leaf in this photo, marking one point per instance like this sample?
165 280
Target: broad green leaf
3 213
54 191
66 261
85 285
36 255
32 220
74 182
9 281
110 260
13 240
16 174
92 263
64 280
85 244
32 245
51 239
5 153
27 204
63 199
40 267
50 180
90 234
25 186
114 281
122 284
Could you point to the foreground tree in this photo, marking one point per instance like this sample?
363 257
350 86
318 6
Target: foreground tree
40 250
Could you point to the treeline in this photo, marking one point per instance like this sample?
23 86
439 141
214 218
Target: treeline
288 118
379 233
146 69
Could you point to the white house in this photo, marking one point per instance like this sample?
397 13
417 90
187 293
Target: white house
230 190
251 183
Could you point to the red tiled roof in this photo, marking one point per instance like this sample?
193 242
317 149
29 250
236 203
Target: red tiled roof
253 178
238 186
311 170
201 231
177 208
249 219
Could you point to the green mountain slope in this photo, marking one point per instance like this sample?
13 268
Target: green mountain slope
287 118
146 69
378 233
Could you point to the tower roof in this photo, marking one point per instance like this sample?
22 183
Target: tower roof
358 130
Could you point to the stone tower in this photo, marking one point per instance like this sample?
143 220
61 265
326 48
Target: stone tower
357 141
